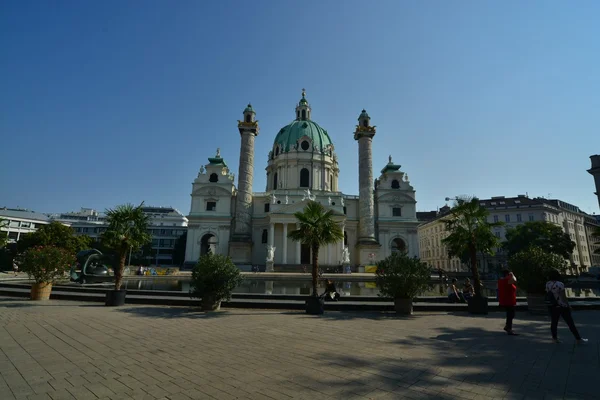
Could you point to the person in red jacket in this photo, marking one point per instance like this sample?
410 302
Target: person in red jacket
507 297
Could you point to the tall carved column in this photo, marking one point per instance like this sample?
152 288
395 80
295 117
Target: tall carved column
240 248
366 203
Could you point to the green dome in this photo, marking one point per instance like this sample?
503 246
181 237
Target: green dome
289 136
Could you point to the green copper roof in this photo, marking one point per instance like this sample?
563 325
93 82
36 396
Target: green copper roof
249 108
289 136
217 161
390 167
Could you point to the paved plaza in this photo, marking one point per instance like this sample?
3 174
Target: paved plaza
69 350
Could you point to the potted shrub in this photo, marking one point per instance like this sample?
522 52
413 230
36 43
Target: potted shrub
213 279
316 227
45 265
127 230
402 278
532 267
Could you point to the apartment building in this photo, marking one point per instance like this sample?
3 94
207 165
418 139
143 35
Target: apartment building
20 222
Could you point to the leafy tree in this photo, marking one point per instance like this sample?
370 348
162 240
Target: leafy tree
179 250
46 264
469 233
543 234
54 234
214 278
401 276
316 228
127 229
532 266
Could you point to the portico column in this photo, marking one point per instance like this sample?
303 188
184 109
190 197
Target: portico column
272 234
284 261
298 259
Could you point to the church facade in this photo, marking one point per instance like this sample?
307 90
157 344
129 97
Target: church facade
252 227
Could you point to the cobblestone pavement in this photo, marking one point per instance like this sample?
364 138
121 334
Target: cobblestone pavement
69 350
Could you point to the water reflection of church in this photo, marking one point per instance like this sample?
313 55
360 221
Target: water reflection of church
301 165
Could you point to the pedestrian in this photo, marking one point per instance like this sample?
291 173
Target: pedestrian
330 290
507 298
558 306
15 268
468 290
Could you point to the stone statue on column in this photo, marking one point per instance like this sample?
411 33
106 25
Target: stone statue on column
270 253
270 259
345 256
273 198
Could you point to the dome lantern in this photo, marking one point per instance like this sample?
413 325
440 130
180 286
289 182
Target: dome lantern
303 108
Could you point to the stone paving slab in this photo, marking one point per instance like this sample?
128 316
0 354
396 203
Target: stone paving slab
74 350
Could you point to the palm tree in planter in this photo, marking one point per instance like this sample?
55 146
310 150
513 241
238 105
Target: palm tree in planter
213 280
469 233
127 229
316 228
402 278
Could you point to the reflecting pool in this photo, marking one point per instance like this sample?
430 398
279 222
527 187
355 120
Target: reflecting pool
303 287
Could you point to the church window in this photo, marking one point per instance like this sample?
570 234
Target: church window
397 212
303 114
297 114
211 206
304 178
395 184
275 180
398 245
213 178
305 145
345 238
265 236
248 118
330 182
365 123
344 210
267 207
277 151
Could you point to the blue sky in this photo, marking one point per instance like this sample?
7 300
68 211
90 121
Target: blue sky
109 102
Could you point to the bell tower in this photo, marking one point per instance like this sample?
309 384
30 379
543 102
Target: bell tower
240 247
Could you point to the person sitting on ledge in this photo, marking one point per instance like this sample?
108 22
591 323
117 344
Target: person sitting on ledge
330 291
453 295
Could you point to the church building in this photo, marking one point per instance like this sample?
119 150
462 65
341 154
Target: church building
252 227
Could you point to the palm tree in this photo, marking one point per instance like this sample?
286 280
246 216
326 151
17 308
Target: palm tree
470 232
316 228
127 229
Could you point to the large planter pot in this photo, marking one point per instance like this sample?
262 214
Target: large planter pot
115 297
315 305
536 304
403 306
41 291
478 305
210 304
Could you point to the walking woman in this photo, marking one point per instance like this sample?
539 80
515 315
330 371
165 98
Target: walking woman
559 307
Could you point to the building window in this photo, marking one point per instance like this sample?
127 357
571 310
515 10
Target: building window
498 234
275 181
344 210
396 212
507 218
518 217
248 118
265 236
13 235
304 145
25 224
213 178
345 238
277 151
211 206
531 217
395 184
495 218
303 114
267 207
304 178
